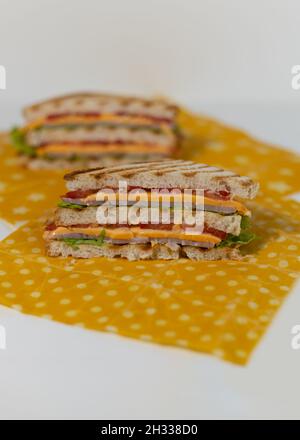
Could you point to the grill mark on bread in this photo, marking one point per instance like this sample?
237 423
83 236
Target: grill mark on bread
189 173
128 169
244 184
163 169
158 168
119 170
166 173
70 176
130 173
106 170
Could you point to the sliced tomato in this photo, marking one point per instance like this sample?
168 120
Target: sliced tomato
159 226
50 227
215 232
220 195
79 193
54 116
209 230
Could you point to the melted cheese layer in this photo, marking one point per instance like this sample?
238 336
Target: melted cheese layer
123 233
98 148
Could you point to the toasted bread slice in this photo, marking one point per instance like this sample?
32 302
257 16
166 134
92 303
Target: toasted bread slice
100 103
102 134
164 174
56 248
66 163
230 224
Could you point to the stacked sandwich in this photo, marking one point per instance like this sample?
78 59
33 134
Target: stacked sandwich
91 129
77 231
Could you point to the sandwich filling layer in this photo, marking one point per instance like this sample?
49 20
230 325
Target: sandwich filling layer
92 118
133 234
93 148
229 230
101 133
212 201
98 235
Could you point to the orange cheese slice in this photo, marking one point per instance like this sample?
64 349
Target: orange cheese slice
154 197
98 148
121 233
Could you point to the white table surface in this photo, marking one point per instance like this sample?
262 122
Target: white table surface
50 370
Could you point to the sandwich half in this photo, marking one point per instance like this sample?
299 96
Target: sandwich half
77 230
93 129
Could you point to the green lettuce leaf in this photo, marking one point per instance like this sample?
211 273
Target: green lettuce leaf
75 242
245 222
245 237
63 204
17 138
176 130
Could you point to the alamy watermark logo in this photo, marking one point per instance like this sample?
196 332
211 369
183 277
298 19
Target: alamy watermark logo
295 342
2 338
2 78
124 206
295 71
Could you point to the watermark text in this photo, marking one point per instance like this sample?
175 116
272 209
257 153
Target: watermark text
2 338
2 78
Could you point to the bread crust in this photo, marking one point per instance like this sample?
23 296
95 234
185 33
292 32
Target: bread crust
94 101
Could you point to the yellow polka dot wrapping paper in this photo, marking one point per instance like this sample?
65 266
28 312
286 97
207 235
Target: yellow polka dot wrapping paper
221 307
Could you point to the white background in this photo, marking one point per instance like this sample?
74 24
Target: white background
231 59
